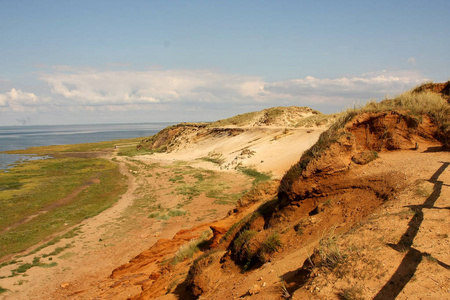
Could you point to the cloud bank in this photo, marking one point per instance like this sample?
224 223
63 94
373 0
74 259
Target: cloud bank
72 90
17 101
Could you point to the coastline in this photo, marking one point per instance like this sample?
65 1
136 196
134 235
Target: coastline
17 140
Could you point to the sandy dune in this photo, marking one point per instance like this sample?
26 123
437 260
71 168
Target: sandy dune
268 149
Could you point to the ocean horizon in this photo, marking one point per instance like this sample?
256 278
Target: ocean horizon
26 136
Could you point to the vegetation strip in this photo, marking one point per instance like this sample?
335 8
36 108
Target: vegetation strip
32 188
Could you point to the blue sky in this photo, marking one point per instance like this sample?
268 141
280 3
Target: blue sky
64 62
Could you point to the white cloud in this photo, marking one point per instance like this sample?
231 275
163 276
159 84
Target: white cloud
22 97
205 86
17 100
3 100
344 89
126 87
88 90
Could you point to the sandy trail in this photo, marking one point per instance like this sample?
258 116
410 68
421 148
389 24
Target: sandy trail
86 250
121 232
116 235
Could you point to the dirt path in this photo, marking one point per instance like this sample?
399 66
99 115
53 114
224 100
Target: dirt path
82 255
121 232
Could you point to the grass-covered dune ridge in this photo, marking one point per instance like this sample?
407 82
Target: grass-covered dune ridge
287 116
418 108
171 137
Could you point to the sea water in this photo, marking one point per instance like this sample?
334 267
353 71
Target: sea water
22 137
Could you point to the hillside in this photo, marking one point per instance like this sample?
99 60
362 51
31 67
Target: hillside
254 139
305 206
363 214
198 182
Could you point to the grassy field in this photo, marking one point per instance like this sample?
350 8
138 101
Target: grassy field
43 197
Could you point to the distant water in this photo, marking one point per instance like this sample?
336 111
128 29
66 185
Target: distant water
22 137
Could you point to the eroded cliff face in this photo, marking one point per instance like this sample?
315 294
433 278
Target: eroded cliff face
357 143
338 187
334 190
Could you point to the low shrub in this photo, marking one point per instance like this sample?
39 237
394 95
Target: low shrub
251 247
329 253
351 293
270 245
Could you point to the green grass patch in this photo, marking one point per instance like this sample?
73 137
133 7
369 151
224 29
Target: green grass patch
243 248
244 224
166 214
176 178
164 217
67 255
316 120
23 268
239 120
271 244
70 234
154 215
176 213
300 227
44 183
266 116
256 175
20 282
329 252
205 182
215 158
2 290
143 204
50 265
58 250
7 263
131 151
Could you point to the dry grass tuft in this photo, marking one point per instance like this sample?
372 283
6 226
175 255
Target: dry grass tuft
188 250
